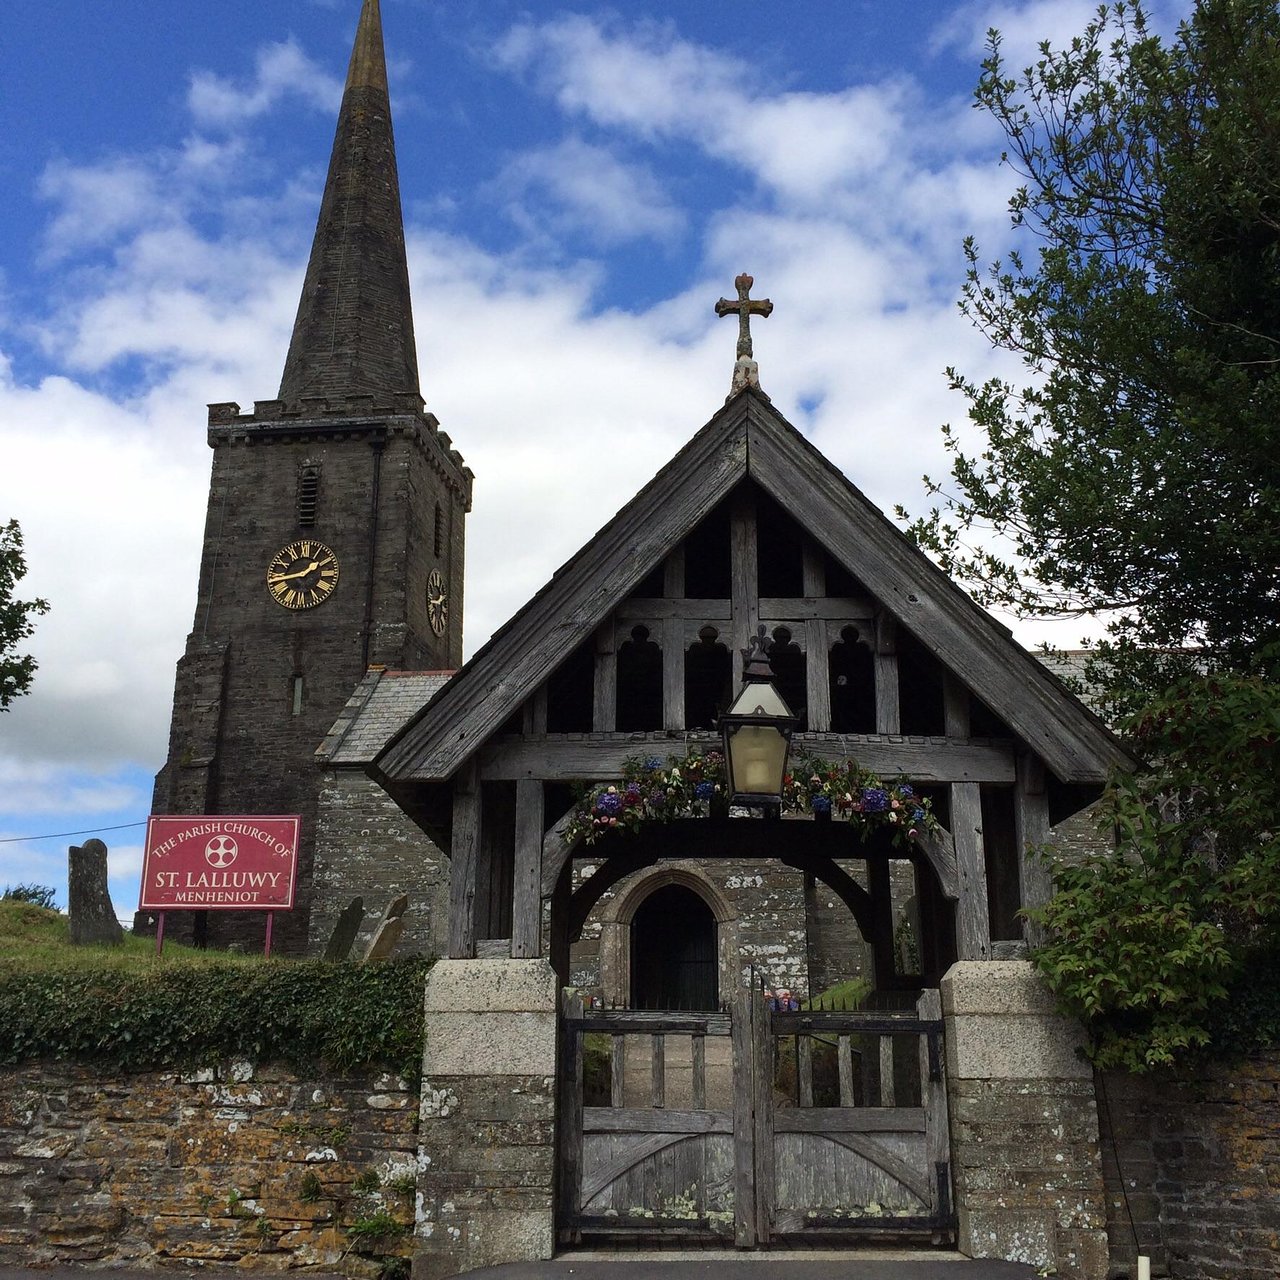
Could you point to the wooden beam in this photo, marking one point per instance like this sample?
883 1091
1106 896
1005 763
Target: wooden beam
1074 743
744 1138
744 577
526 903
636 609
888 716
605 707
1031 830
955 704
973 925
790 609
939 848
464 847
556 851
673 650
535 713
673 574
817 676
561 907
815 572
881 939
567 757
474 704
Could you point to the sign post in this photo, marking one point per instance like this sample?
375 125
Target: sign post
212 862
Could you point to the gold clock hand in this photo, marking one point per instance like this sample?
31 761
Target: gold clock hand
301 573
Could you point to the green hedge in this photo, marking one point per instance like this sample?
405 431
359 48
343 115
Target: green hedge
306 1013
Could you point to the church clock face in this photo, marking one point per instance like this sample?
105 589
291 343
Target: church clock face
302 575
437 602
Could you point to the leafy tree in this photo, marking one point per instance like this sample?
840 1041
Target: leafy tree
1152 949
1136 469
16 618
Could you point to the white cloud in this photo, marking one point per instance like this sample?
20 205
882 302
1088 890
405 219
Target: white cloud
280 70
97 203
647 80
40 787
1024 26
810 152
849 212
586 189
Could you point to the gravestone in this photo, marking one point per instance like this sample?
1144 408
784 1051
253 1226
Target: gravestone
344 932
92 917
389 929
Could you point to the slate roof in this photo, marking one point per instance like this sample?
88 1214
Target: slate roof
353 334
381 704
749 439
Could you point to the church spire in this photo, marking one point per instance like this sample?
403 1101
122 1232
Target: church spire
354 330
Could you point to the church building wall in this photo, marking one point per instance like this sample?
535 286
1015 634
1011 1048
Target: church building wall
367 848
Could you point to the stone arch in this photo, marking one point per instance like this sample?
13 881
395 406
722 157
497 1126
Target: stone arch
617 916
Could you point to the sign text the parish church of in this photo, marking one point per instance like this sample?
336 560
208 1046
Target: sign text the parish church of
231 863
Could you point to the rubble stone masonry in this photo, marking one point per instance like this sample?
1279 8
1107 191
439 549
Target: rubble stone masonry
1198 1158
228 1165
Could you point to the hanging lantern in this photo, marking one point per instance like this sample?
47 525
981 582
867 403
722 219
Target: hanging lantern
757 731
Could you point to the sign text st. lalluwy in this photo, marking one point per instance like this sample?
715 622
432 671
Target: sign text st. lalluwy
220 863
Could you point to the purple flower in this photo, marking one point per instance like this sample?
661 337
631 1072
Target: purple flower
658 797
820 804
608 802
905 791
704 790
632 794
874 800
652 763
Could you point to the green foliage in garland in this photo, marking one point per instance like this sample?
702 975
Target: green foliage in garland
306 1013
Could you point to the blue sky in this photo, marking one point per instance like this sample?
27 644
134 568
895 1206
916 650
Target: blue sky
580 183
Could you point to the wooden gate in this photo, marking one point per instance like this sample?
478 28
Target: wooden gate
754 1126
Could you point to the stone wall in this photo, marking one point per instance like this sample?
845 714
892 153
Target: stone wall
1024 1125
760 909
367 847
230 1165
1199 1159
486 1182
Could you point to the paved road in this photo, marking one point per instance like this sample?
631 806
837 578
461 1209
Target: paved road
812 1265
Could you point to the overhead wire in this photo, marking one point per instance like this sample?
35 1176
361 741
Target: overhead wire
58 835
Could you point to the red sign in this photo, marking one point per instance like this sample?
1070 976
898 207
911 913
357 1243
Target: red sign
217 863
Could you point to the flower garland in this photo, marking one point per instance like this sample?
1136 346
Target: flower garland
653 792
841 789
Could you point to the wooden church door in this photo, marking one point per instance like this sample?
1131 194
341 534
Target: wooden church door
674 952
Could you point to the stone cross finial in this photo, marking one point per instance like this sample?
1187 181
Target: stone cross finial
746 373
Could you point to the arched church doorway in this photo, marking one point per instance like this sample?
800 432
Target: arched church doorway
674 954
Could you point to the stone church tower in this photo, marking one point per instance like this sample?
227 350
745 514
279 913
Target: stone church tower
335 528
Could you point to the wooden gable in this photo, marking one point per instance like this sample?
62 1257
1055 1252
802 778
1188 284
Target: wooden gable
750 443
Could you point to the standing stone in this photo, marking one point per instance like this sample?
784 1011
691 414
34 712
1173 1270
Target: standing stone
344 932
93 918
389 929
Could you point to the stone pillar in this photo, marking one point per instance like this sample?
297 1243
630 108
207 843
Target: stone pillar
487 1135
1026 1157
